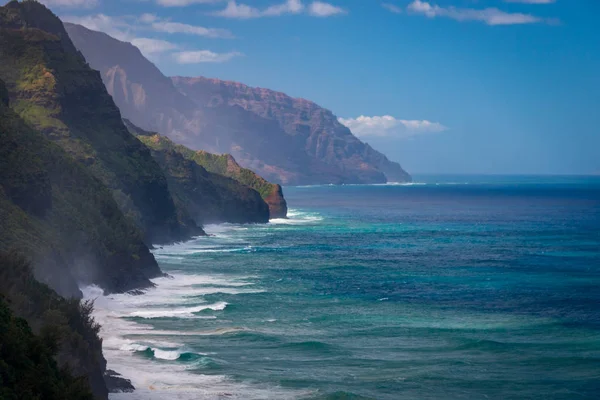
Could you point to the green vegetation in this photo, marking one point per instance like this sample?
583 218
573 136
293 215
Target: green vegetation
222 164
56 92
67 221
209 197
64 359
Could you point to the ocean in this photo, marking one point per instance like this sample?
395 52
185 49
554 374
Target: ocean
453 287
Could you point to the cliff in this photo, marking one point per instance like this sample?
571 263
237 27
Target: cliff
225 164
328 146
283 139
220 164
53 89
56 353
63 218
209 197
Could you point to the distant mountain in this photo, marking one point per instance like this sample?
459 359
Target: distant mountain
285 140
53 89
209 197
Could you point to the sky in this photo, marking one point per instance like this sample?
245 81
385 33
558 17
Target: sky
442 86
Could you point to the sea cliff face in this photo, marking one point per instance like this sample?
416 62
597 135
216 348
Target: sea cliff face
72 231
54 90
209 197
226 165
63 218
283 139
218 164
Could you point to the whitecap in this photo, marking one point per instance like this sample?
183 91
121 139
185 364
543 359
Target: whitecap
178 313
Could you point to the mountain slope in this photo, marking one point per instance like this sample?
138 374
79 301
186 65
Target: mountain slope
223 164
63 218
209 197
53 89
323 137
285 140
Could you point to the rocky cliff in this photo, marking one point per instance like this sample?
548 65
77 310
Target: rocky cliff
283 139
54 90
226 165
209 197
220 164
71 229
63 218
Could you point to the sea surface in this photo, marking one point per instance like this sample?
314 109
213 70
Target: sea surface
454 287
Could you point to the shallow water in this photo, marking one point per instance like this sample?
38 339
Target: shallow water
456 287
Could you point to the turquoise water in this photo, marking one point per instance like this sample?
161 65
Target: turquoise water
455 287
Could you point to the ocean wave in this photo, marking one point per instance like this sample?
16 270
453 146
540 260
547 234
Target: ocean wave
297 217
178 313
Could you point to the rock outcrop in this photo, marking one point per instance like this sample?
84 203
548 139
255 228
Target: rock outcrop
209 197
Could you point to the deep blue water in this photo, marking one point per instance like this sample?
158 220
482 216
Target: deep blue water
461 288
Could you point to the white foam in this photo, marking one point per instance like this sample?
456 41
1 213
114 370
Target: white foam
177 313
297 217
166 355
165 376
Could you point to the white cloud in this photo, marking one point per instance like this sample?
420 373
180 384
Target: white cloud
130 29
117 27
531 1
388 126
289 7
71 3
183 3
320 9
151 47
176 27
203 56
148 18
490 16
126 28
391 7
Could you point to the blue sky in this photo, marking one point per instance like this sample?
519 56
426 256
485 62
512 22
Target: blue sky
452 86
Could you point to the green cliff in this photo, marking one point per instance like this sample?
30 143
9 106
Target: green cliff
63 218
209 197
53 89
224 165
54 351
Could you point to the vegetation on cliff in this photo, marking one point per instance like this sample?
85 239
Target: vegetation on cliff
223 164
208 197
63 218
52 87
49 346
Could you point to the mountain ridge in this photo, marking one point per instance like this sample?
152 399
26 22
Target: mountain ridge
285 140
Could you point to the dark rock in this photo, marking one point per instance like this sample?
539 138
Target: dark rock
115 383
